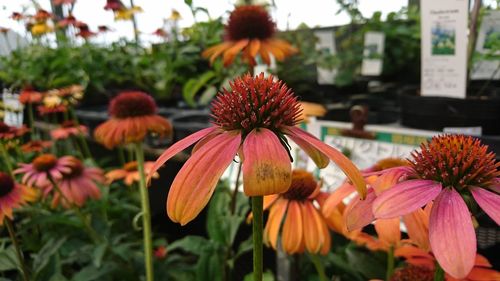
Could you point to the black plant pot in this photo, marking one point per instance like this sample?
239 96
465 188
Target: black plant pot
435 113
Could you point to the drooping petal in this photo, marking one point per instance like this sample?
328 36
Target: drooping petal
274 222
336 197
358 213
451 234
336 156
292 234
233 51
194 184
266 165
417 226
320 159
178 147
388 231
488 201
404 198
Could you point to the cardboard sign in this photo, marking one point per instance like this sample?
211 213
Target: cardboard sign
326 43
444 48
488 41
373 54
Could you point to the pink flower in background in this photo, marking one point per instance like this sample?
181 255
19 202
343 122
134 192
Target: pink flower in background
68 129
448 169
37 172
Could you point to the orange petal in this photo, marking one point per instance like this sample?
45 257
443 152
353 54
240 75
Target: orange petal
483 274
194 184
336 197
336 156
266 168
327 243
178 147
264 53
292 234
313 233
388 231
417 226
233 51
274 221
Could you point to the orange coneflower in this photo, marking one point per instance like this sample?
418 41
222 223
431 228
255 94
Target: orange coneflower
250 30
43 167
251 119
304 227
28 95
449 170
133 115
76 185
12 196
36 146
67 129
130 173
10 132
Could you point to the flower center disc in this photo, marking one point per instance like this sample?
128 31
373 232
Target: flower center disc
44 162
303 185
132 104
252 22
6 184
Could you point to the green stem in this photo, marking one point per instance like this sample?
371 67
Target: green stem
121 155
31 119
390 263
319 267
19 253
146 213
81 137
6 158
257 210
438 273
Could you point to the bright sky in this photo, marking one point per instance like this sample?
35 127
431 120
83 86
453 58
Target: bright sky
291 13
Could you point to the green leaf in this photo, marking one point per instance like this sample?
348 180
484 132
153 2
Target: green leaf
41 259
191 244
90 273
98 254
194 85
207 95
366 262
8 259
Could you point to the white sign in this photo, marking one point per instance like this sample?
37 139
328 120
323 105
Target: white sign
487 42
13 109
444 48
326 44
373 54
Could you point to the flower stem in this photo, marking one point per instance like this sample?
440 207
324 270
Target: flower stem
257 210
81 137
319 267
19 253
6 158
234 196
390 263
146 213
438 273
31 119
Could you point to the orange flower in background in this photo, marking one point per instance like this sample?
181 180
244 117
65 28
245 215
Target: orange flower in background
129 173
133 116
36 146
481 271
251 119
10 132
76 185
28 95
42 15
250 30
127 13
68 129
304 228
12 196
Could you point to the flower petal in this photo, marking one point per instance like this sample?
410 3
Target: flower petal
233 51
320 159
358 213
274 221
313 231
292 234
336 156
336 197
389 179
451 234
178 147
488 201
388 231
266 165
417 226
194 184
404 198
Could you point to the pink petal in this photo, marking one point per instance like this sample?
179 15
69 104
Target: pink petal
404 198
358 213
389 179
297 134
178 147
330 204
488 201
451 233
194 184
266 164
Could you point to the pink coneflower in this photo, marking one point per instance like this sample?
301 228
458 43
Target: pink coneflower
448 168
114 5
16 16
160 32
85 32
130 173
42 15
37 172
68 129
103 28
12 196
250 119
9 132
133 116
62 2
36 146
67 21
77 185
